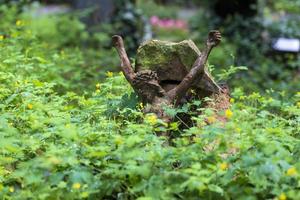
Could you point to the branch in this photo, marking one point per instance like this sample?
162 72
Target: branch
125 63
197 71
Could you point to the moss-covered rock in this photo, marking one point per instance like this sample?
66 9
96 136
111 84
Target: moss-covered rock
170 60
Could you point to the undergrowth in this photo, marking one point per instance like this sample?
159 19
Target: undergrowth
59 144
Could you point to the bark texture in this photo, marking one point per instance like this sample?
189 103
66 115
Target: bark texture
152 87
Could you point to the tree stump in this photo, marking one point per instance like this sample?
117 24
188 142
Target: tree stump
166 73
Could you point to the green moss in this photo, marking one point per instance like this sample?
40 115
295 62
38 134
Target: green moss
161 55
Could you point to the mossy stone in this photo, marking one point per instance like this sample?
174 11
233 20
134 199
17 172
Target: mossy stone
170 60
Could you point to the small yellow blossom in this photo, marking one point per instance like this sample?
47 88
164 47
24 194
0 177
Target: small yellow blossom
11 189
119 140
152 119
29 106
211 120
292 171
228 113
298 104
97 91
282 196
18 22
141 105
223 166
76 186
98 85
109 74
1 37
232 100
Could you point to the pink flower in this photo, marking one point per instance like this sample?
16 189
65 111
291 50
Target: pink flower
181 24
168 23
154 20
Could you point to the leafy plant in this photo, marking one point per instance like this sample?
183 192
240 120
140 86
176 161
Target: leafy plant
97 144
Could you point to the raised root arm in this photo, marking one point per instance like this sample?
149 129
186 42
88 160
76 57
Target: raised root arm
197 71
125 63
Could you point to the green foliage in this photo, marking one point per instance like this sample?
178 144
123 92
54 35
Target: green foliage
63 30
101 146
50 47
250 40
130 23
174 35
288 6
226 74
52 145
150 8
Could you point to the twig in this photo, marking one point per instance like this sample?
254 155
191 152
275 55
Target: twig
197 71
125 63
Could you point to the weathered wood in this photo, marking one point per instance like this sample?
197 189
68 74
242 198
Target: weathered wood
147 84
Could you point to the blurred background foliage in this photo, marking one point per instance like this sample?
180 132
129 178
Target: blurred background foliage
249 29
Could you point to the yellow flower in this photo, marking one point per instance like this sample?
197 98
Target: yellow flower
298 104
97 91
29 106
11 189
224 166
18 22
228 113
232 100
109 74
141 105
76 186
282 196
1 37
211 119
292 171
152 119
118 140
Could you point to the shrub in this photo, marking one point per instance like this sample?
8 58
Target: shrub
101 146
